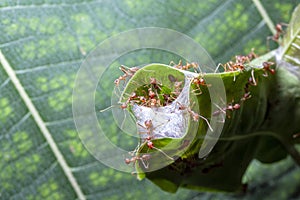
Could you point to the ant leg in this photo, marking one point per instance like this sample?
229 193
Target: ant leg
146 165
209 126
253 81
221 110
161 151
110 107
198 89
217 69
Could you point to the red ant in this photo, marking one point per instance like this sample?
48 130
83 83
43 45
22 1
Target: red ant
230 107
266 67
177 88
245 59
124 105
129 99
194 115
231 67
128 72
199 81
149 129
144 158
188 66
238 65
156 85
279 32
154 82
247 95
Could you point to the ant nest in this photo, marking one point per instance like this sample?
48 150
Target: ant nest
170 121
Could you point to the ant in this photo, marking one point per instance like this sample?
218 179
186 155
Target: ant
234 66
124 105
144 158
199 81
195 116
251 81
129 99
177 88
266 67
155 84
245 59
279 32
230 107
148 125
247 95
188 66
128 72
238 65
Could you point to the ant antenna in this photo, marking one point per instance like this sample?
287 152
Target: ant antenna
110 107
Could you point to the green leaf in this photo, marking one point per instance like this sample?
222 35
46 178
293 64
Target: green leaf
291 43
244 126
44 43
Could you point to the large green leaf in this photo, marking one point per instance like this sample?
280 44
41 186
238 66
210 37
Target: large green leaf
44 43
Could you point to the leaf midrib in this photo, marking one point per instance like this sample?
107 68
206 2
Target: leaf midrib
41 124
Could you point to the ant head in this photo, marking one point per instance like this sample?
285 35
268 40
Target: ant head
133 95
267 64
127 161
278 28
153 81
151 93
148 123
153 102
117 81
150 145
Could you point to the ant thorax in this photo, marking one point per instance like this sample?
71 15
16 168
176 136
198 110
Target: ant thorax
164 122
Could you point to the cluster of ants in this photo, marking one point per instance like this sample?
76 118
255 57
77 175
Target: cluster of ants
128 73
239 64
152 95
149 95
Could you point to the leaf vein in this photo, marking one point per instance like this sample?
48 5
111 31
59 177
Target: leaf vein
41 124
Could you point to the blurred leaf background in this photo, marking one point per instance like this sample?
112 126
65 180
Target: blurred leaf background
45 41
